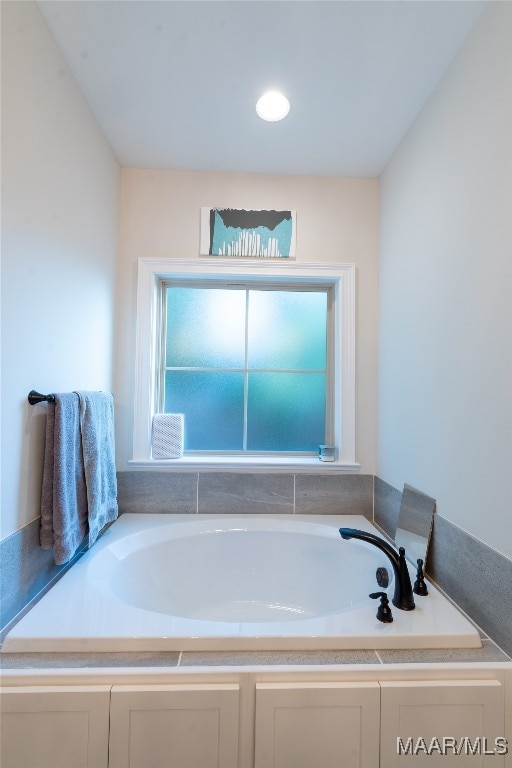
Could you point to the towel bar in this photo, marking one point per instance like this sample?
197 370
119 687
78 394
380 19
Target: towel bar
36 397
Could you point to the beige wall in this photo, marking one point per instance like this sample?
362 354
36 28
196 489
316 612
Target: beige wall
60 213
445 293
337 221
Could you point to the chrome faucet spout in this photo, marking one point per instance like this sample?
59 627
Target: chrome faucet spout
403 597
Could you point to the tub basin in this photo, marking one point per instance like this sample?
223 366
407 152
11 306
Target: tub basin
242 571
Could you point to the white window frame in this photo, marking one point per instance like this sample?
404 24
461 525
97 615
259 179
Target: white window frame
341 277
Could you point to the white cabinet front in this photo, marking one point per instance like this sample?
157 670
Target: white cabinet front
448 723
174 726
55 727
386 724
317 725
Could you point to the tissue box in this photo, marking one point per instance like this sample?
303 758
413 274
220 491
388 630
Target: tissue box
167 437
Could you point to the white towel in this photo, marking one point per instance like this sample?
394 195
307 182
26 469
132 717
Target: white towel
167 438
64 494
97 428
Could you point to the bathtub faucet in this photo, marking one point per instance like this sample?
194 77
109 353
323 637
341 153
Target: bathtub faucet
403 597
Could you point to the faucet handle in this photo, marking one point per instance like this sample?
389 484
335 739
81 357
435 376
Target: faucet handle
383 611
420 588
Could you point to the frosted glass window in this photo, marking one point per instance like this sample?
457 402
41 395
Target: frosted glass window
286 411
287 330
247 367
213 405
199 334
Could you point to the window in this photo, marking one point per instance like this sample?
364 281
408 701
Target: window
258 356
248 366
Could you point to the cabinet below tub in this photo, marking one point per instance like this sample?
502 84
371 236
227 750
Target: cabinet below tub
257 719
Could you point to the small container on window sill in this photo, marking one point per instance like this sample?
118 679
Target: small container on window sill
326 452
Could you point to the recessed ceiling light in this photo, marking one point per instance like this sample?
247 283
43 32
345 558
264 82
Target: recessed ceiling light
272 106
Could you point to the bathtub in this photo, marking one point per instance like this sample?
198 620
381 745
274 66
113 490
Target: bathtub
209 582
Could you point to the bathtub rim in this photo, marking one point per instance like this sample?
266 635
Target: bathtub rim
19 640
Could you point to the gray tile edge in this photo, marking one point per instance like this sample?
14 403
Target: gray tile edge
278 658
33 578
96 660
483 603
489 653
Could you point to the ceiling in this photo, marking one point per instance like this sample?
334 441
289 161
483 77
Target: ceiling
173 83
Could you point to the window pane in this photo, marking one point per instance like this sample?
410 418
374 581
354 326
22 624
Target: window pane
286 411
287 330
205 327
213 404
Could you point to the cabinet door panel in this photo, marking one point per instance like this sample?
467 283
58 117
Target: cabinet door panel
433 718
55 727
331 725
174 726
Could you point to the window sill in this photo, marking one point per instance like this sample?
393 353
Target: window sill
238 463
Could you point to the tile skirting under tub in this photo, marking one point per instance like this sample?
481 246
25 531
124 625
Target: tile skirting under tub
488 653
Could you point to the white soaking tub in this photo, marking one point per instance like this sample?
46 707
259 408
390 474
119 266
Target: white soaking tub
173 582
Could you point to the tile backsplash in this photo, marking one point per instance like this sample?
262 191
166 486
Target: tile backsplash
157 492
245 493
475 576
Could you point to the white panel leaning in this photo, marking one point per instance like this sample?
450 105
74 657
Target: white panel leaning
167 437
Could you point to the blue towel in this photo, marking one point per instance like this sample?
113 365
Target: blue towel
79 493
97 428
64 494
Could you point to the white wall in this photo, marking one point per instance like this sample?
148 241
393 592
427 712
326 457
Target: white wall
445 293
337 221
60 214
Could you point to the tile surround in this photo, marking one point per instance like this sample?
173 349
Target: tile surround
333 494
245 493
475 576
157 492
26 570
